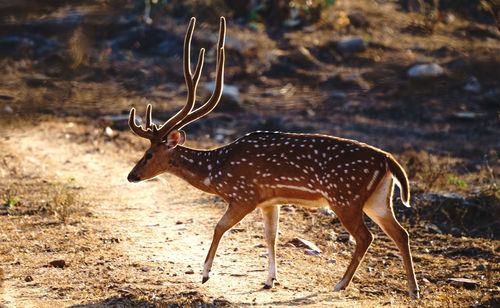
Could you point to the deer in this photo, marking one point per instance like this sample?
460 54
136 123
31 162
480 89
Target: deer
268 169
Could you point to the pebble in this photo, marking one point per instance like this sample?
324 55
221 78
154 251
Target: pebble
425 71
310 252
331 236
463 282
58 263
351 45
472 85
299 242
345 238
8 109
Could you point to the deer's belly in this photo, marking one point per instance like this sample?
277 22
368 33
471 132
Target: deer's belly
320 202
291 194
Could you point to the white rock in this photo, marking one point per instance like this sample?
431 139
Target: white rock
425 70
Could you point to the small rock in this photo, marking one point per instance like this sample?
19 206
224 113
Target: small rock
466 115
444 197
425 71
7 109
310 252
472 85
351 45
338 94
448 18
459 64
58 263
358 20
28 278
480 267
299 242
109 132
189 272
331 236
230 99
464 282
345 238
433 227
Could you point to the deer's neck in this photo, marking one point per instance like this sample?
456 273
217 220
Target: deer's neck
193 166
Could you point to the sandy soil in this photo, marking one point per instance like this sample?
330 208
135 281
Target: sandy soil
77 234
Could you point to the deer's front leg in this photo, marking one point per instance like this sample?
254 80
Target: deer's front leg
234 213
271 222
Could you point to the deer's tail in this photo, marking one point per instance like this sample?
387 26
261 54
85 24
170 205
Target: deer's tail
402 179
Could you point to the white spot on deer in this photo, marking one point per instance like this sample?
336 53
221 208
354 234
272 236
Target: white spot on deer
206 181
209 167
372 181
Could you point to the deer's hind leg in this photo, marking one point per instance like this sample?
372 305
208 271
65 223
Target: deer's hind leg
271 221
352 220
379 209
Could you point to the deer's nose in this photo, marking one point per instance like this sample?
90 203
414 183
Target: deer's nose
133 178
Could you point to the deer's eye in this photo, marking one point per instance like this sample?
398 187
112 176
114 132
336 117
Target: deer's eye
148 156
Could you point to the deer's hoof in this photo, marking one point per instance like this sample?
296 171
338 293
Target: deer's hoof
270 285
415 294
204 279
339 286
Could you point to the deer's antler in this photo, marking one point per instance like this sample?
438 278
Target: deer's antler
186 115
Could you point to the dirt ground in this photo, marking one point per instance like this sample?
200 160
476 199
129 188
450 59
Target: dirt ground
75 233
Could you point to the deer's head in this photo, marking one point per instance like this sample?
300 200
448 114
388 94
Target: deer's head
167 137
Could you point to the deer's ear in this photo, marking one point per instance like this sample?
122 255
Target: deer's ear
175 138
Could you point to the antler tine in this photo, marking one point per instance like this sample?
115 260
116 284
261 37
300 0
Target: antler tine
148 134
216 95
148 117
191 82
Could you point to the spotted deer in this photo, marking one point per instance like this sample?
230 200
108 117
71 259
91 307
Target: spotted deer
266 169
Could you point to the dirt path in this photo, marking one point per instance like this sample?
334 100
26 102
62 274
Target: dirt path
166 224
